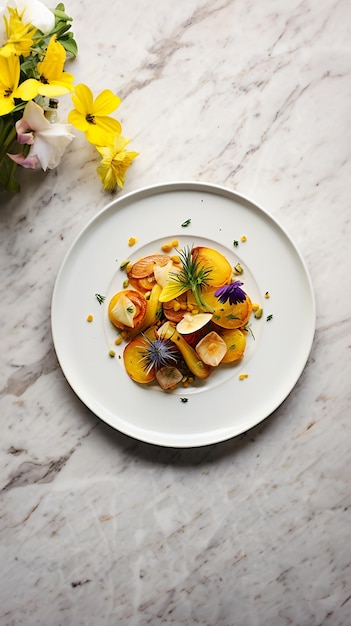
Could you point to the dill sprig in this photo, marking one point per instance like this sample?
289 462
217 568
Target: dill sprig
193 275
101 299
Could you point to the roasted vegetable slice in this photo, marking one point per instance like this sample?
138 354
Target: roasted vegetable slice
168 377
127 309
134 362
211 349
191 323
145 266
153 312
220 268
192 360
235 341
225 315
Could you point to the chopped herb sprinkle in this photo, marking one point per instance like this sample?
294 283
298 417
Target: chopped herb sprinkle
184 400
186 223
269 317
235 243
100 298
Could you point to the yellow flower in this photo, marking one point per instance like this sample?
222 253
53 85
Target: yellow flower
9 77
92 116
115 162
19 36
53 81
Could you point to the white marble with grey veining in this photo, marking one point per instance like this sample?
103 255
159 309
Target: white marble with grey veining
97 529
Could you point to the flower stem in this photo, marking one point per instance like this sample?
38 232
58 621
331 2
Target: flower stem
199 300
7 167
7 139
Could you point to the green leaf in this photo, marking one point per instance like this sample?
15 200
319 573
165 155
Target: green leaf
7 179
60 29
70 46
8 136
60 13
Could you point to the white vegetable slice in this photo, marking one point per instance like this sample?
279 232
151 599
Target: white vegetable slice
191 323
162 273
211 349
124 311
168 376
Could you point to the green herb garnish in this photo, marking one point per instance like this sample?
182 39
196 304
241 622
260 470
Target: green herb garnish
100 298
193 276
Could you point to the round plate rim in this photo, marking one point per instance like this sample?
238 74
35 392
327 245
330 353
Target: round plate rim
188 441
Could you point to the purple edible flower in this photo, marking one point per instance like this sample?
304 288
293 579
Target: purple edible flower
231 292
158 353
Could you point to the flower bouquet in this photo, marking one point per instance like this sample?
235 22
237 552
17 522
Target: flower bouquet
35 44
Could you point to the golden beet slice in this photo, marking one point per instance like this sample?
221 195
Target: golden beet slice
233 315
220 268
134 363
226 315
235 341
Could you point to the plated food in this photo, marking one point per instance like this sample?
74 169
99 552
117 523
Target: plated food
212 409
182 313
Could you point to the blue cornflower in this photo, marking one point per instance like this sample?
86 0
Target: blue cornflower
231 292
158 353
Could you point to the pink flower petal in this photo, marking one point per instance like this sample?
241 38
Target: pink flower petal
28 162
27 138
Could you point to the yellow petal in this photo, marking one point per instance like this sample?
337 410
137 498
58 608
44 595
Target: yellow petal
172 290
9 72
105 103
6 105
99 132
107 176
55 88
27 90
52 65
83 99
76 119
120 142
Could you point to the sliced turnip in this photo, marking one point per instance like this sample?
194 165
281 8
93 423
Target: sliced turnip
191 323
211 349
168 376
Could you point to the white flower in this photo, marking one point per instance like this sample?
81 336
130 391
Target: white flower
48 141
34 12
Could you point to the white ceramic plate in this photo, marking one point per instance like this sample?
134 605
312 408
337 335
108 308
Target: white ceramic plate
223 406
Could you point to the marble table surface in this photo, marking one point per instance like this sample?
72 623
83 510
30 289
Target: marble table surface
97 528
